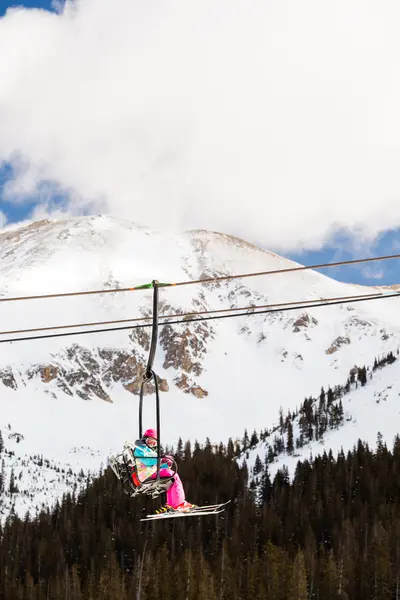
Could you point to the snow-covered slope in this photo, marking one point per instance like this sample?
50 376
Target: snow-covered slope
368 411
75 399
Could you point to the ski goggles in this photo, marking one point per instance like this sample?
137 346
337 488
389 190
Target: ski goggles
152 442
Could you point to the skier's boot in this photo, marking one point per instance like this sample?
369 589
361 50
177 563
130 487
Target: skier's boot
164 509
185 506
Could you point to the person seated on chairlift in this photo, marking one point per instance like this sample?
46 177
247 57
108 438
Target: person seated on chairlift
144 455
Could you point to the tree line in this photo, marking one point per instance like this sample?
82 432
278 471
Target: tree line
331 533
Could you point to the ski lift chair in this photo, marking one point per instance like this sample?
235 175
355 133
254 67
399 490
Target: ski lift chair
125 468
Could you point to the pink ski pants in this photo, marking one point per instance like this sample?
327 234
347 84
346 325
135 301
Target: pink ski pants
176 493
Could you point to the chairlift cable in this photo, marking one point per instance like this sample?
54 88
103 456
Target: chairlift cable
201 281
189 314
250 311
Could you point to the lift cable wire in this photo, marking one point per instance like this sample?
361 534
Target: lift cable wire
190 314
249 311
290 270
202 281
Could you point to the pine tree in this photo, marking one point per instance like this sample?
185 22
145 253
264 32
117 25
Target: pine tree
245 441
13 488
254 439
230 449
179 449
329 587
362 375
273 580
379 567
298 581
206 582
322 397
290 444
258 466
271 454
187 453
329 398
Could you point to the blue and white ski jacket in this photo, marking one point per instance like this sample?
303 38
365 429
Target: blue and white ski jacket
146 460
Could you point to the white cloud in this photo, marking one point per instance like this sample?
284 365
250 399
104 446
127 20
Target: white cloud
373 272
57 5
3 219
277 121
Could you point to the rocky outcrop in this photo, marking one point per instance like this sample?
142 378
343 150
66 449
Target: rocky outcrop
8 379
184 349
184 383
303 322
128 369
18 437
90 374
48 373
340 341
141 336
119 365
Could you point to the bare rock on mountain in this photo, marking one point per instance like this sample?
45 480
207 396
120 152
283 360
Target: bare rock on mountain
149 388
8 379
338 342
183 382
303 322
141 336
119 365
62 385
358 322
185 347
83 358
128 368
91 388
89 374
48 373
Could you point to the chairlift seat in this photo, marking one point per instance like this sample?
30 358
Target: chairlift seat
125 467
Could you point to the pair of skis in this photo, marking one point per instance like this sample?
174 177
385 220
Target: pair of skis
198 511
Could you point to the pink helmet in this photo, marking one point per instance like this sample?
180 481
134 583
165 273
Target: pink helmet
151 433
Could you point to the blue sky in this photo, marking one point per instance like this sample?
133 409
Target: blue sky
343 249
28 3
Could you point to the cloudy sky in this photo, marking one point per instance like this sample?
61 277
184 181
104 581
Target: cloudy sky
275 121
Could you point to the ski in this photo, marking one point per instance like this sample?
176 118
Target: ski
214 506
174 515
199 511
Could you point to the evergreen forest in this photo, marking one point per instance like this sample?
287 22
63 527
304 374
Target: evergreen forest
331 533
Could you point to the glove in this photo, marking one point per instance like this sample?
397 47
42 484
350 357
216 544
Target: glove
168 459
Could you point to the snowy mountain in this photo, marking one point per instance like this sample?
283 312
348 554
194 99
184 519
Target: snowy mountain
71 401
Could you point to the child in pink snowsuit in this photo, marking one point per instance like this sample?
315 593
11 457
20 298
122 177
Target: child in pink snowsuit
145 452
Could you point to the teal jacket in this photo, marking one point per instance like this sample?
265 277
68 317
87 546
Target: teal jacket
147 456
